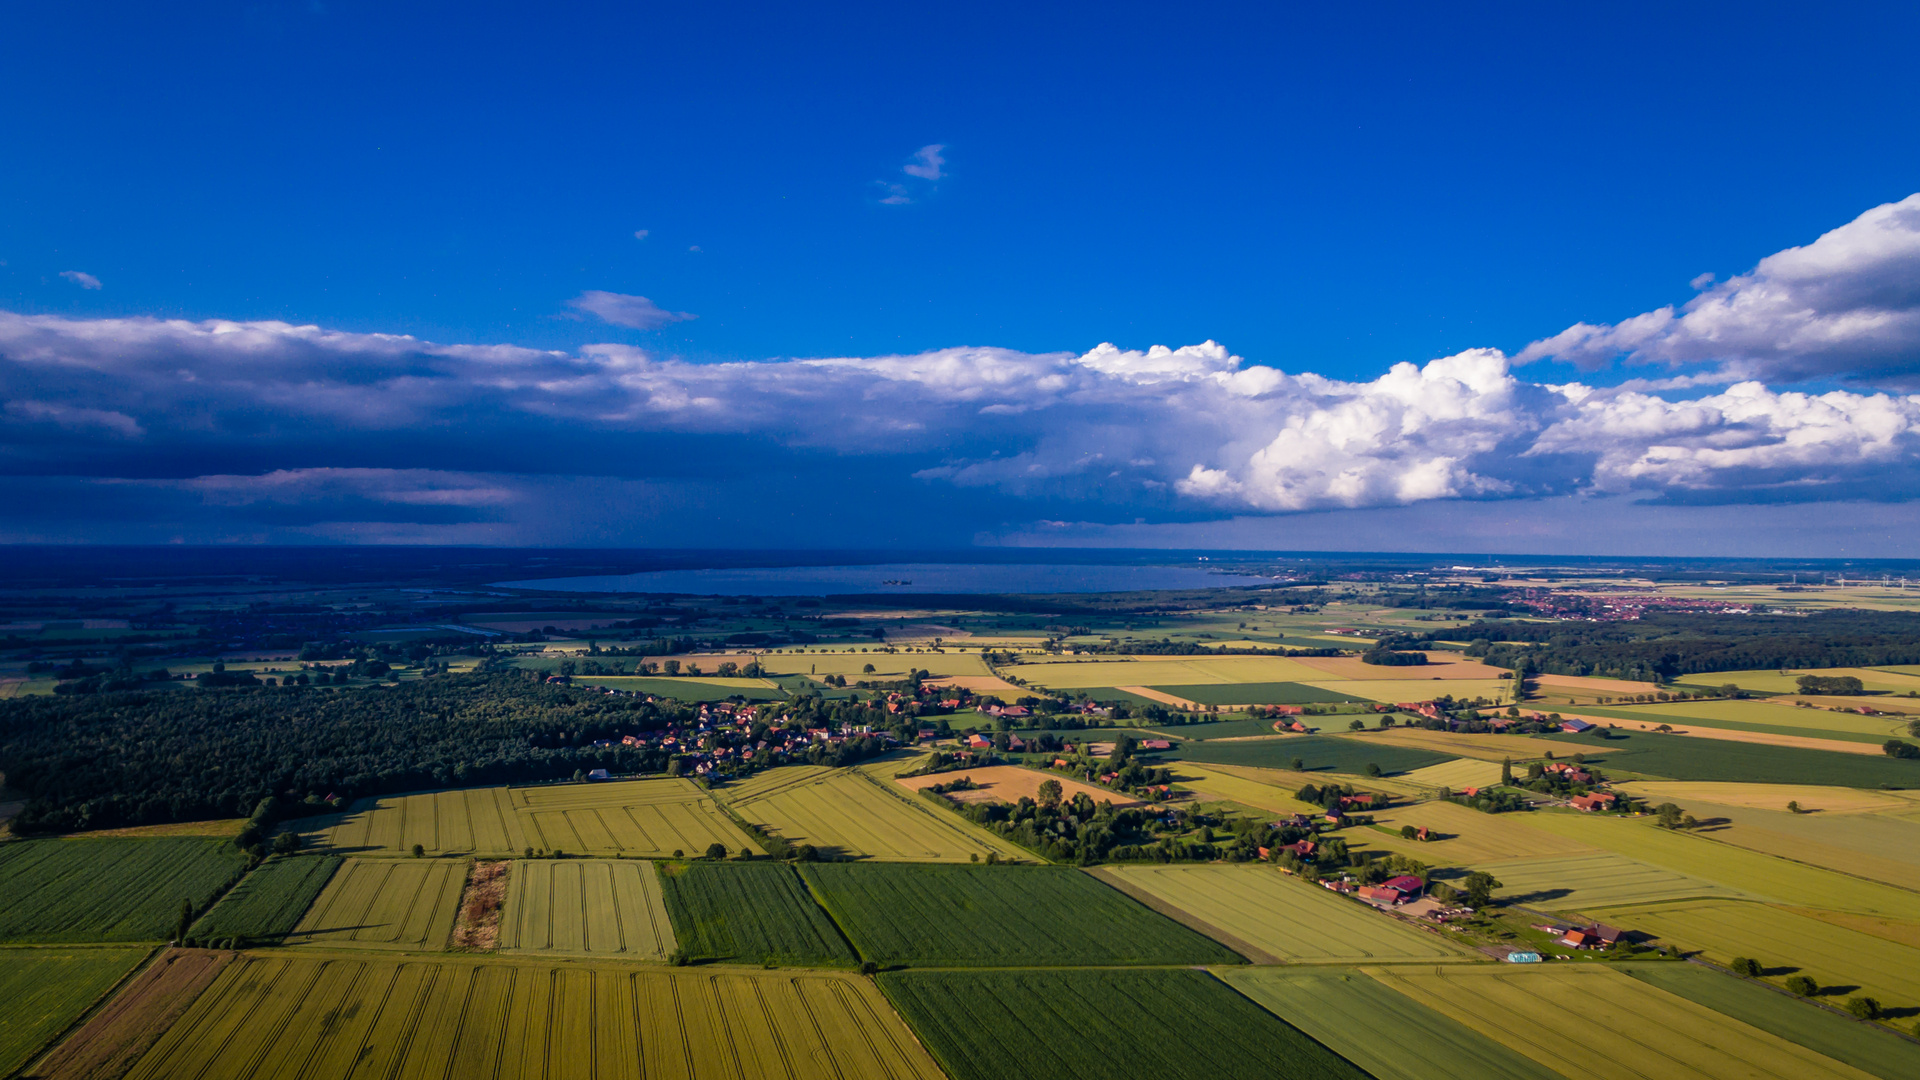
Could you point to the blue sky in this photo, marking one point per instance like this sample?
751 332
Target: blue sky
1321 191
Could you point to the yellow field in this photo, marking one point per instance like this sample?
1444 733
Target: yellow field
1213 782
848 813
886 666
645 818
1772 714
1397 690
1474 837
1290 920
219 827
1439 665
1595 880
607 908
1827 800
1487 747
386 904
1897 930
272 1016
1592 1022
1288 780
1465 772
1832 955
1165 671
1891 680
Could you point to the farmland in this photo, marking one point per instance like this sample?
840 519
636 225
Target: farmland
1285 919
1384 1032
1683 757
991 916
755 912
611 909
1213 783
1067 1025
848 813
636 818
1392 691
1011 783
385 904
276 1015
1830 800
690 690
113 1038
108 890
268 902
1823 1032
46 989
1467 836
1460 773
1591 1021
1275 693
1320 752
1832 955
1597 879
1762 716
1167 671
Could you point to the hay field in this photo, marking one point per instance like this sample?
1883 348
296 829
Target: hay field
886 666
1392 691
1439 665
641 818
847 813
610 909
1010 783
47 989
385 904
1465 772
281 1016
1596 880
1474 837
982 684
1591 1022
1239 695
1289 920
1734 868
1582 684
1833 955
1881 847
1827 800
1771 681
1167 671
1486 746
1384 1032
1289 780
1213 782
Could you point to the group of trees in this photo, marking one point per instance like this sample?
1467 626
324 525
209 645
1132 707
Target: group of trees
1662 647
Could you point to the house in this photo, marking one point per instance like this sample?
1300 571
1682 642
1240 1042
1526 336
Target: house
1016 711
1155 744
977 741
1302 849
1599 800
1015 742
1575 727
1406 886
1341 886
1335 815
1380 895
1362 801
1420 834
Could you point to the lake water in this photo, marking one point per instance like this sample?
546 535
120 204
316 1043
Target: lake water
902 578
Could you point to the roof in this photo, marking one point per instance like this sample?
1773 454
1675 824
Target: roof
1405 883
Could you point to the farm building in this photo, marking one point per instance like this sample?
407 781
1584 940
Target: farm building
1575 727
1599 800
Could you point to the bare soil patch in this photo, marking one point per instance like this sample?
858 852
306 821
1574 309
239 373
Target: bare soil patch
478 926
107 1045
1007 783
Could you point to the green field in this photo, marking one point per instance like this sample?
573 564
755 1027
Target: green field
1217 729
269 902
1586 1020
108 890
607 908
45 990
991 916
1111 1025
1680 757
1597 879
1760 716
385 904
1320 752
287 1015
1283 918
1386 1033
1266 693
1862 1046
757 912
850 813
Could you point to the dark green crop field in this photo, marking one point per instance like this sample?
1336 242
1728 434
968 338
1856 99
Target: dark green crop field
44 990
268 903
1265 693
1680 757
109 890
987 916
756 912
1320 752
1103 1025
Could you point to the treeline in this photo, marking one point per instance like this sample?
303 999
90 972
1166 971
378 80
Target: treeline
1166 647
113 759
1665 647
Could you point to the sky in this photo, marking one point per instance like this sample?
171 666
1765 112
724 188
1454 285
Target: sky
1599 279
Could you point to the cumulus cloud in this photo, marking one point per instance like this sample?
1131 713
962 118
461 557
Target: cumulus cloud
1845 307
926 162
641 234
621 309
81 278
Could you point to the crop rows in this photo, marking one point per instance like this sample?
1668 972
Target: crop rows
988 916
847 813
586 906
758 912
43 990
108 890
269 902
386 903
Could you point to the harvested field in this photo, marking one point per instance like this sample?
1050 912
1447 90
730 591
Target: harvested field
1826 800
757 912
1439 665
849 813
1473 837
1838 1037
886 666
982 684
108 890
1833 955
636 818
1319 752
1902 931
995 916
1865 845
45 990
1239 695
1157 671
1394 691
1209 782
268 903
1462 773
1287 920
607 908
1597 687
1593 1022
280 1016
108 1044
1008 783
1043 1026
1599 879
385 904
1386 1033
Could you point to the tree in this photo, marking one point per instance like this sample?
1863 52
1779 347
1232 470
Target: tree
1897 749
1803 985
1506 770
286 843
1357 725
1747 966
1050 792
1668 815
866 669
1793 807
1864 1007
419 851
1373 769
1408 832
716 850
1299 764
1478 888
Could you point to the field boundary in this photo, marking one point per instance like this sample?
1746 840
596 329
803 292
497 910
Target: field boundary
98 1005
1192 922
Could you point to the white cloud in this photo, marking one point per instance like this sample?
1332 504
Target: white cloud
81 278
78 418
1846 307
623 310
926 162
641 234
896 194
